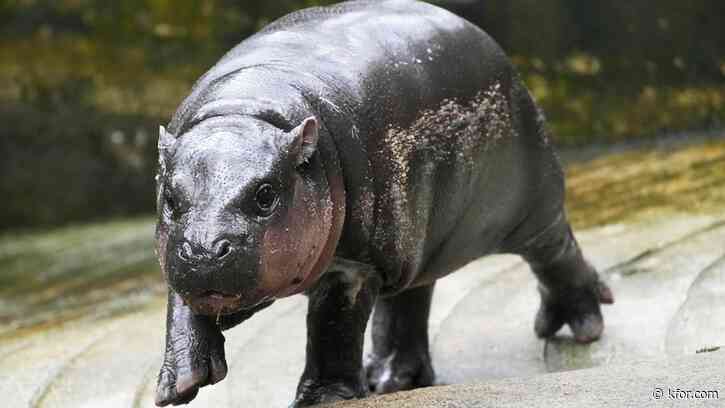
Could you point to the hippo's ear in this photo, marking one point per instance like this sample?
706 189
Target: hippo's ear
304 139
166 141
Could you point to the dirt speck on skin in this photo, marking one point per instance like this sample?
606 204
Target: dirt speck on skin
364 211
455 132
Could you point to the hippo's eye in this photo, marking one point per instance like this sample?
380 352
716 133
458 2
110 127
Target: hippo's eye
170 203
266 198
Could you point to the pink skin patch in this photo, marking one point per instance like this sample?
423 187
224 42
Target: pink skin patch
292 248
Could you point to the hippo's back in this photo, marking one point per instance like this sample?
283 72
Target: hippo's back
349 52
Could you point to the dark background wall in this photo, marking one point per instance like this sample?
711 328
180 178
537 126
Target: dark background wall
85 83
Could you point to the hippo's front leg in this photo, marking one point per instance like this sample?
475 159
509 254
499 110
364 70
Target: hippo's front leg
194 354
339 307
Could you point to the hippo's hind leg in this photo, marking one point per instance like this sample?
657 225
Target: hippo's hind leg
400 359
570 288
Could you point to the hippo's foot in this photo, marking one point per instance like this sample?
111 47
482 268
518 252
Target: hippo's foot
188 367
310 392
579 308
399 371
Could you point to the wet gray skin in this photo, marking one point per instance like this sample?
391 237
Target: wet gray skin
356 153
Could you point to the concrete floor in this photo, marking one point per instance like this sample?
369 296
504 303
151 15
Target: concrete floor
692 381
668 276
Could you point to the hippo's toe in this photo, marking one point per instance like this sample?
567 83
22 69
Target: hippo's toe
399 371
186 369
167 392
579 308
311 392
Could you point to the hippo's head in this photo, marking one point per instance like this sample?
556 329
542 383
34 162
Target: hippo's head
244 212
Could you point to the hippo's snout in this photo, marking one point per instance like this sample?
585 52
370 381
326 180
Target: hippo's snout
214 274
219 250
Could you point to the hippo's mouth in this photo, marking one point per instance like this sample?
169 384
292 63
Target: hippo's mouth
213 303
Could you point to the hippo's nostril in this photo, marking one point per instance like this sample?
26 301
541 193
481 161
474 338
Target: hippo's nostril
185 253
222 248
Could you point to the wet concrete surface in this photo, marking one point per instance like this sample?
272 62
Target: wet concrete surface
80 328
75 272
693 381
